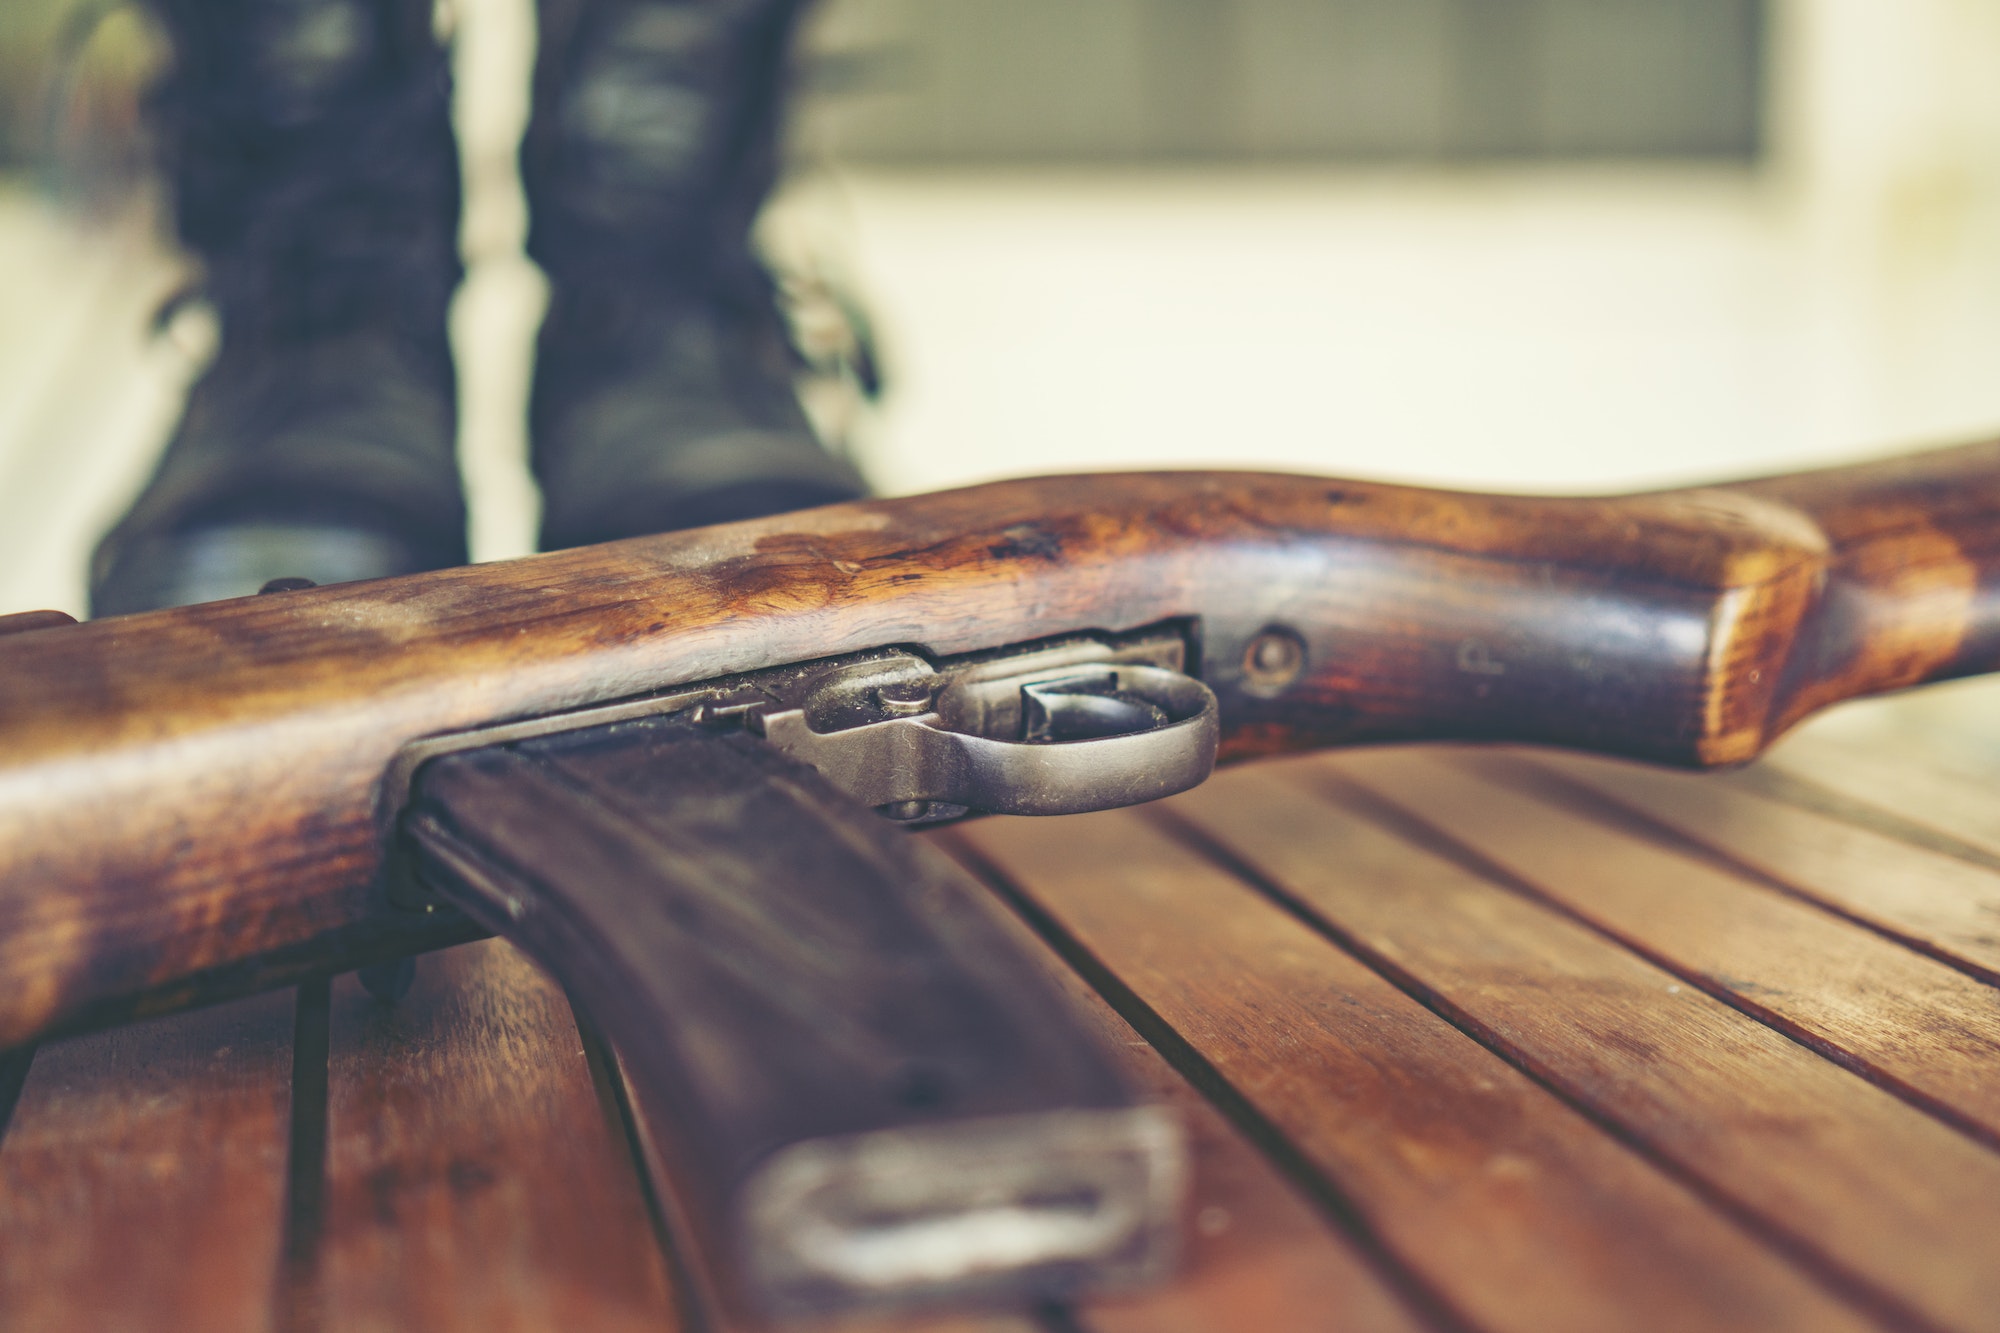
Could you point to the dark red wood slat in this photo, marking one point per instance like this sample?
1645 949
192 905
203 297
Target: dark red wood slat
1935 797
1943 904
1876 1196
1257 1253
1516 1211
142 1178
472 1179
1904 1020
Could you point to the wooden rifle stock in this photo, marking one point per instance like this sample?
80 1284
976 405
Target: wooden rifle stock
189 799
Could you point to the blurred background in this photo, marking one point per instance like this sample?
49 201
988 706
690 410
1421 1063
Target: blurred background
1520 244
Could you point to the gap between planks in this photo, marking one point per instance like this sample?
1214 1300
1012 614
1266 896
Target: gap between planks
1789 784
14 1066
1848 869
1960 1043
1911 786
1276 1260
1574 1232
298 1308
141 1178
1203 1077
1426 780
1863 1294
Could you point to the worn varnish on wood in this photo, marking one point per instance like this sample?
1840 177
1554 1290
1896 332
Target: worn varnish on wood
188 799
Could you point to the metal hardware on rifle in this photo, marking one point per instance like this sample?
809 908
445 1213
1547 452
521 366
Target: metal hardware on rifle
1090 737
1273 661
1084 723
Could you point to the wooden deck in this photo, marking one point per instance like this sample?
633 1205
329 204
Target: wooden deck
1468 1040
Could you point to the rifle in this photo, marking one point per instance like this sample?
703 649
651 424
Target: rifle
205 801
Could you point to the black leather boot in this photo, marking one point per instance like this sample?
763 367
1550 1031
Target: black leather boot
309 149
663 395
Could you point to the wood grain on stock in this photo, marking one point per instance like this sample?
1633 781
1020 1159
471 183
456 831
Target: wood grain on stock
187 798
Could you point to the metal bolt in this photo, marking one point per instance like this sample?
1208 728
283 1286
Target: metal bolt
904 698
389 982
1273 661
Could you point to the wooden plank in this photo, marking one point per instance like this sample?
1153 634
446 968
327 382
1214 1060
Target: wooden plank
1902 788
1877 1197
1940 903
1258 1253
472 1179
142 1178
1508 1207
1902 1020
